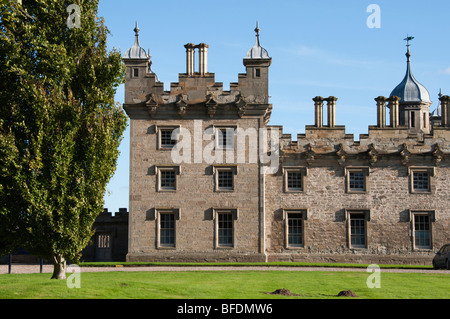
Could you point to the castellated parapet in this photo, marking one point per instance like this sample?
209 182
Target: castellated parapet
327 197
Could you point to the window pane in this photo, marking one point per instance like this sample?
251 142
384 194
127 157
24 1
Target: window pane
420 181
225 179
168 179
356 181
358 230
422 231
294 180
226 137
295 230
167 230
225 229
166 138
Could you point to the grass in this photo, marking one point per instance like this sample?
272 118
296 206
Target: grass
243 284
241 264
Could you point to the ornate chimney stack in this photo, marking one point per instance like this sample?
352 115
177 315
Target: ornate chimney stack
190 58
318 108
203 58
381 111
331 105
445 116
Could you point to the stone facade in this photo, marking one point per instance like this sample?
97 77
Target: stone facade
204 188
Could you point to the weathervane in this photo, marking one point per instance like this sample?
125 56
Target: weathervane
407 39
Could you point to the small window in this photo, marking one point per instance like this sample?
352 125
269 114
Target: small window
166 227
357 230
225 230
224 220
356 179
422 230
294 178
257 73
224 178
167 230
420 179
135 73
225 137
295 229
167 178
166 137
357 221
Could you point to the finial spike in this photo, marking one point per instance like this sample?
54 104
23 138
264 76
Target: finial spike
257 29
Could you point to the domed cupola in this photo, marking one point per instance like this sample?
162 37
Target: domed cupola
136 51
410 90
257 52
414 101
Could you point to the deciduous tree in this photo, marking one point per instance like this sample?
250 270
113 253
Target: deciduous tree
60 127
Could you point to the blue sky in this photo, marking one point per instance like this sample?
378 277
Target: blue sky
322 47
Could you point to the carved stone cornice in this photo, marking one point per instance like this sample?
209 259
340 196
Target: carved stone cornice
405 154
372 154
342 155
211 106
181 106
241 106
152 105
437 154
309 154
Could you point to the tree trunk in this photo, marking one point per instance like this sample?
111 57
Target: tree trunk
59 267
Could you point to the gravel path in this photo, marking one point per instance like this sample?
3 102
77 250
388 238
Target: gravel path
26 269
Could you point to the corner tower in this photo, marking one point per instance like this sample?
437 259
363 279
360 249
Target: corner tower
140 79
256 80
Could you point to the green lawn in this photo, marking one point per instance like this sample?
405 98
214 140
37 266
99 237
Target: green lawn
243 284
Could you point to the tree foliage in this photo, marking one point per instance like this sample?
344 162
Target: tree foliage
60 128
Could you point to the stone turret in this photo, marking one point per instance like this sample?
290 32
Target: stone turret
414 104
196 90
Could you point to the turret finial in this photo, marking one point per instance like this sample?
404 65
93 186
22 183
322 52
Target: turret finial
136 29
408 53
257 29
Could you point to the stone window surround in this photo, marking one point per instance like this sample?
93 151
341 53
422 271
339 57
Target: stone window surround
158 129
363 169
224 167
412 214
159 169
304 213
216 211
300 169
348 213
134 73
166 210
428 169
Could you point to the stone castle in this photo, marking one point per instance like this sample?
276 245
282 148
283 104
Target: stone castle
322 198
